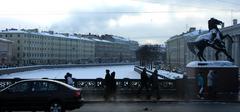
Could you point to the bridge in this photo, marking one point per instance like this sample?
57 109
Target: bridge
127 89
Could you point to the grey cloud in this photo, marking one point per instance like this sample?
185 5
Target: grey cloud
92 21
96 21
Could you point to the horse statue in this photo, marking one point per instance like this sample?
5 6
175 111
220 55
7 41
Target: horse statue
203 41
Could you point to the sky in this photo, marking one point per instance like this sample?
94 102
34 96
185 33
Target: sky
146 21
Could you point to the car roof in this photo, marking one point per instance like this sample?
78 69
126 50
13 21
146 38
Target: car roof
46 80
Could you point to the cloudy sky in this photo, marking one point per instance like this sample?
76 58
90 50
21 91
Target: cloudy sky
146 21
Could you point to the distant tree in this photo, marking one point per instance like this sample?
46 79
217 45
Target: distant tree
146 55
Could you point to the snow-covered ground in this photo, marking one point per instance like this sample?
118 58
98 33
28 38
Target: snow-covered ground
122 71
170 75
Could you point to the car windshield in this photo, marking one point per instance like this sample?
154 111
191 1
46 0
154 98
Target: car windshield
121 50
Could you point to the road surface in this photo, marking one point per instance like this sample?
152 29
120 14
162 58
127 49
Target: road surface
160 107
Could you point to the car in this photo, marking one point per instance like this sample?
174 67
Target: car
40 94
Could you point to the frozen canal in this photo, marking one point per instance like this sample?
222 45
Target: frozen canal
123 71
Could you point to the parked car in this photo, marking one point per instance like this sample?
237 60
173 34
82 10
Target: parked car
40 94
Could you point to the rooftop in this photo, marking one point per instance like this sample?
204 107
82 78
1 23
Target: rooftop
104 38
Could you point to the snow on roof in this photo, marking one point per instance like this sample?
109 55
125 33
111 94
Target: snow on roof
120 38
217 64
83 38
5 40
98 40
46 34
193 33
13 31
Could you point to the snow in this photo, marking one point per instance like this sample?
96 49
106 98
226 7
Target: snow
193 33
211 64
58 35
101 40
13 31
120 38
5 40
123 71
168 74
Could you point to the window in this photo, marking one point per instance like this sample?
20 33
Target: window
20 87
44 86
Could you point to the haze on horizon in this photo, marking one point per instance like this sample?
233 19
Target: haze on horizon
146 21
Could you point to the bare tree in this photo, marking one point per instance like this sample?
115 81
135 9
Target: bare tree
146 55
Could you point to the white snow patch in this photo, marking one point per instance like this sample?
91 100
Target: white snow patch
210 64
123 71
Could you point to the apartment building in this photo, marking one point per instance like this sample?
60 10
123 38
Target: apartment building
32 47
178 54
5 52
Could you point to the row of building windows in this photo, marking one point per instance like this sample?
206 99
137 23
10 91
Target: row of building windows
42 55
9 35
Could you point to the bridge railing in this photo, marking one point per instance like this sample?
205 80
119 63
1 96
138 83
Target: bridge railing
123 85
99 83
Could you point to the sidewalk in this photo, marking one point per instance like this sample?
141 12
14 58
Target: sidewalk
95 99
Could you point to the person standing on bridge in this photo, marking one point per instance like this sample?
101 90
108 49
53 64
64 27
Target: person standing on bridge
69 79
113 86
211 84
107 85
144 82
200 82
154 84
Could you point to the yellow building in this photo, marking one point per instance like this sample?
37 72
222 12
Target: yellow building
32 47
5 52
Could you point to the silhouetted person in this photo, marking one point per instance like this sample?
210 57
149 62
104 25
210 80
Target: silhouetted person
107 85
113 85
210 84
154 84
69 79
144 82
200 82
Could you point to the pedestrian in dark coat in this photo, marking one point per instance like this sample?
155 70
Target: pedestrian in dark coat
107 85
211 84
200 83
154 84
113 85
144 82
69 79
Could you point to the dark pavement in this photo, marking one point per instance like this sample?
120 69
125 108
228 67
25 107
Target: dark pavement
159 107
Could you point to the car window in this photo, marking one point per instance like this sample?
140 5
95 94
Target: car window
20 87
44 86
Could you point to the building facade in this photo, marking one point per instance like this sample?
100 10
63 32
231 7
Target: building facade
32 47
178 54
110 48
5 52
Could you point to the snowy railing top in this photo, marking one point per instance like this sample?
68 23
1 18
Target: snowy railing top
163 74
210 64
123 84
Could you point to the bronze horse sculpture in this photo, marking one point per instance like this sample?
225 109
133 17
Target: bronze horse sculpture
202 42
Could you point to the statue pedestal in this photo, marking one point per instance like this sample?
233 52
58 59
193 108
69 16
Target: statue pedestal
226 77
